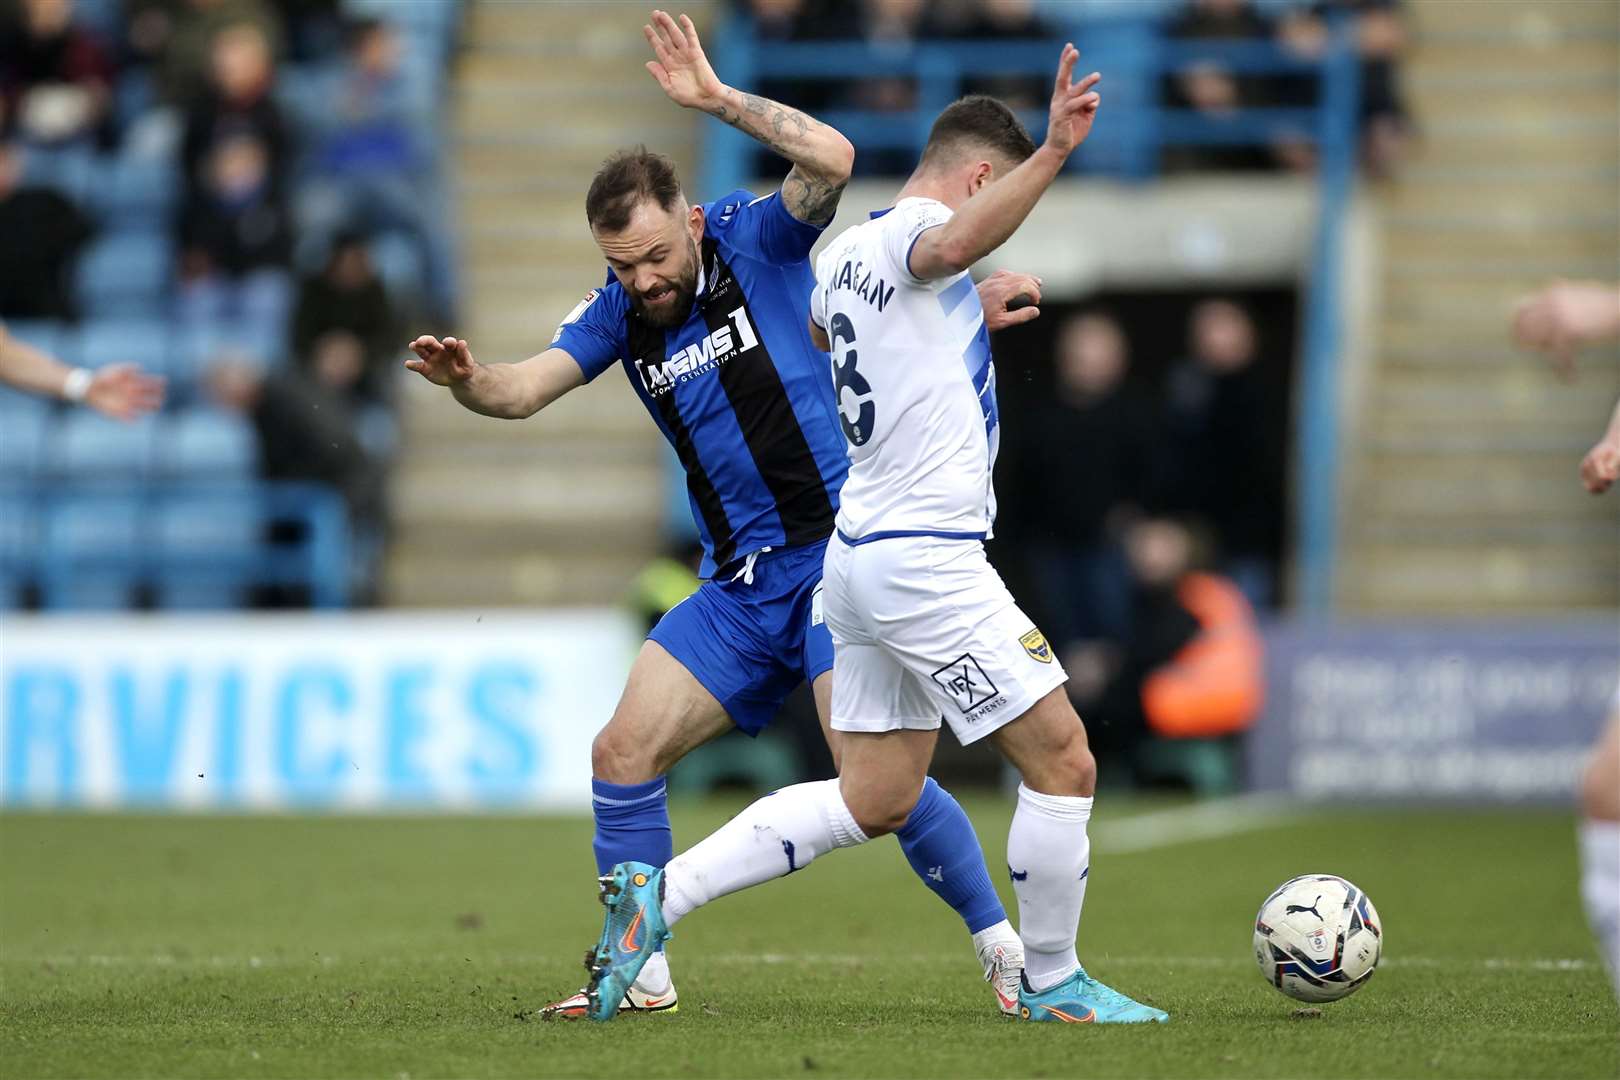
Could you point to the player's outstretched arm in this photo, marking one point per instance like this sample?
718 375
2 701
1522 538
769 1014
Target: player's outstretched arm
986 221
822 158
121 391
506 391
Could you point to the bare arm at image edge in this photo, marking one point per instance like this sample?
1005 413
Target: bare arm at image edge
121 391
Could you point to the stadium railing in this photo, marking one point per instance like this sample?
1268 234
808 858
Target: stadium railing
1134 56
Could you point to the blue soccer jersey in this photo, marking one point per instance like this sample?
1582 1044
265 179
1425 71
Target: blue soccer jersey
739 390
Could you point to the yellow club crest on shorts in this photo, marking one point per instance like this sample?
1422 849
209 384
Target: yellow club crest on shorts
1035 644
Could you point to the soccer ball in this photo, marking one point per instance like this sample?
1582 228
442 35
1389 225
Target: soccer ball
1318 938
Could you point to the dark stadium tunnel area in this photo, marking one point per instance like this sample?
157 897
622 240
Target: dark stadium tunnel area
1155 325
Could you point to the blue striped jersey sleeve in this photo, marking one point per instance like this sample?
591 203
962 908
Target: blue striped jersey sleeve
593 333
762 228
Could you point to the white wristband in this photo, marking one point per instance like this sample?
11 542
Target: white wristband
77 384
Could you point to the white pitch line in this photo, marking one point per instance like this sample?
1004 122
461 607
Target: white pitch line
1199 821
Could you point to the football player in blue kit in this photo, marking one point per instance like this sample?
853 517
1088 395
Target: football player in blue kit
706 313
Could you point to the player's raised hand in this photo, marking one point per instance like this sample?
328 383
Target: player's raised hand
1074 105
1009 299
1601 466
680 66
442 363
124 392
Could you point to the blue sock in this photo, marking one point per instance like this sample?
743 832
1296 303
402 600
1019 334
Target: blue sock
632 823
942 847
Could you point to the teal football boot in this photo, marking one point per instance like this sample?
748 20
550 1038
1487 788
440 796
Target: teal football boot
633 930
1080 999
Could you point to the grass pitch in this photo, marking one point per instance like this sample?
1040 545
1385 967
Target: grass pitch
291 947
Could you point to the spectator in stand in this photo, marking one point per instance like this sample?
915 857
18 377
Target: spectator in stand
236 242
889 26
1007 20
369 166
1219 464
347 295
235 232
236 101
306 432
1188 668
1095 442
44 233
779 21
55 78
176 38
1381 36
1212 89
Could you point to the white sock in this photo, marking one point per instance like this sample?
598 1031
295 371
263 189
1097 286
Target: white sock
772 837
1600 888
654 978
1000 934
1049 856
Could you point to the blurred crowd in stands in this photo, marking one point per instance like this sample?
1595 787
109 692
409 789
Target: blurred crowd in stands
242 197
1147 518
1298 27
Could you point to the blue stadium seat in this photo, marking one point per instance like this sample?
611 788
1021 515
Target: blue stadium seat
69 169
209 444
43 334
23 423
90 448
134 97
399 262
103 18
127 273
90 557
126 340
136 190
200 345
207 545
19 542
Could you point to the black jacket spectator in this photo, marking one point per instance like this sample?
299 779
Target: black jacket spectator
1007 20
1211 89
55 78
236 222
347 295
236 103
1095 442
43 233
1218 415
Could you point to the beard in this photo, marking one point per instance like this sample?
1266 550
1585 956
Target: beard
671 311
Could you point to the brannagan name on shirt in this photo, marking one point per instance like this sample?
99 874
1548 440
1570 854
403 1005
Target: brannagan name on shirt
859 280
700 357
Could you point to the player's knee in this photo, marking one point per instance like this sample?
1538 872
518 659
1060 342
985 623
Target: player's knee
1079 768
619 759
879 812
1066 769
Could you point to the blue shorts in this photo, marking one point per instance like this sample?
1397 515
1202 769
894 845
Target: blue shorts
751 644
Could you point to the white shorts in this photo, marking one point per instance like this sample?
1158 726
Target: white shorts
923 630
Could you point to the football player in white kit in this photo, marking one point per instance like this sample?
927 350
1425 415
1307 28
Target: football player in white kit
923 628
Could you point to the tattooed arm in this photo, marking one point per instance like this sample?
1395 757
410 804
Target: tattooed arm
821 156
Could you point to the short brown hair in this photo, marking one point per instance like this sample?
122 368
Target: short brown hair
973 123
626 180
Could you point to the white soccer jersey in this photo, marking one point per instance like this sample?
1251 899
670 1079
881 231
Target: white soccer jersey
915 385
